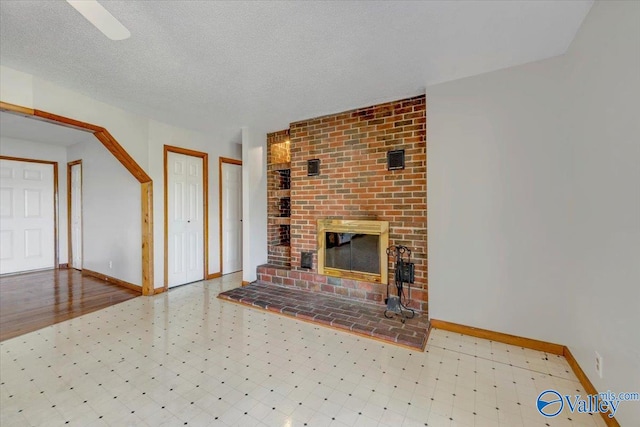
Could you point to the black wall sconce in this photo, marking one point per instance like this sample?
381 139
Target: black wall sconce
313 167
395 160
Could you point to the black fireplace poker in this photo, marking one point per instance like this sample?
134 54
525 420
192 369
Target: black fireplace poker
404 273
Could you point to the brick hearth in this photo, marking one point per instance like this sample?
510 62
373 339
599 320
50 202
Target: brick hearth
356 317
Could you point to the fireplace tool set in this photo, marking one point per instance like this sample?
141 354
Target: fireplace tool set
404 273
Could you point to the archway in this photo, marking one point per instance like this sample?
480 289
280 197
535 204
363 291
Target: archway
146 184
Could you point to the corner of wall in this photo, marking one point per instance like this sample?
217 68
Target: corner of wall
254 201
16 87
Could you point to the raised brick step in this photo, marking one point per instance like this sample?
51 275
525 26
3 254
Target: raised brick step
357 317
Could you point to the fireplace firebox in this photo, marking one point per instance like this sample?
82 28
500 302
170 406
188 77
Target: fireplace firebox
353 249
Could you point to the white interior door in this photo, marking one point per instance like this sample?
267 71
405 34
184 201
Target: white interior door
231 218
185 219
76 216
27 221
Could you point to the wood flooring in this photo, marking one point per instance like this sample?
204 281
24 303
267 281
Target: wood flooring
31 301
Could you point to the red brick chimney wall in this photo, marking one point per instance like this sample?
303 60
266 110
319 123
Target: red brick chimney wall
354 182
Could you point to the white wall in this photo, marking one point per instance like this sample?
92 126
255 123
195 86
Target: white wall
16 87
110 213
534 199
143 139
161 134
604 282
254 201
497 200
129 129
54 153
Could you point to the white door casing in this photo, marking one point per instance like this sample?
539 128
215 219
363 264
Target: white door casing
27 216
231 217
185 223
75 214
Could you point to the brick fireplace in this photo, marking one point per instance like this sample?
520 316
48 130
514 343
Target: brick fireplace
353 182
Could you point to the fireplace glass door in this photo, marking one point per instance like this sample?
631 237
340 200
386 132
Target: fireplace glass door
352 252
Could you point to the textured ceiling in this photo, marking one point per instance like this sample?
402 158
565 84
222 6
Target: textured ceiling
213 64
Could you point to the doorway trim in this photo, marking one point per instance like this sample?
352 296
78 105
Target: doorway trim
69 219
56 258
220 162
205 208
146 183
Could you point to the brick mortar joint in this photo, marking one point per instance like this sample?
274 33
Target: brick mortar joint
331 294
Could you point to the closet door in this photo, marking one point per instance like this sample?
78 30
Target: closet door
27 216
185 223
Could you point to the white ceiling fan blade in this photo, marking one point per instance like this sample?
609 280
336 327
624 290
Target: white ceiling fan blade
101 18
